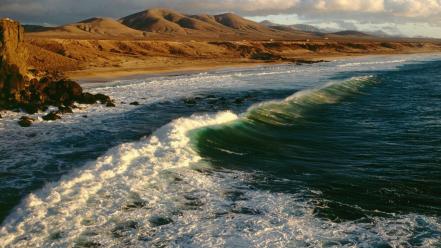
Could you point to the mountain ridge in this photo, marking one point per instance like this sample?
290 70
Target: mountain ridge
163 23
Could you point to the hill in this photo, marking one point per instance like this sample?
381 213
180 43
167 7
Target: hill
239 23
306 28
351 33
168 24
93 28
35 28
171 22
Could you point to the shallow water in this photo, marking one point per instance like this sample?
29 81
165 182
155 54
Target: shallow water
345 153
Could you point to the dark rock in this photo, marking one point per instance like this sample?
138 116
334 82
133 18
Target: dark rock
62 92
26 121
134 103
30 108
87 98
110 104
65 110
52 116
85 116
102 98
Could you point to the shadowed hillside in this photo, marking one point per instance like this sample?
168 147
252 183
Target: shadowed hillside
168 24
93 27
351 33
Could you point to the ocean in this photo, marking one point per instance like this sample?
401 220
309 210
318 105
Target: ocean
339 154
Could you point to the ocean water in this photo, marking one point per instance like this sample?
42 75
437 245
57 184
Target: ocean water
338 154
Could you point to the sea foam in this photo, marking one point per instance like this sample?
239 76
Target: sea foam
158 191
61 208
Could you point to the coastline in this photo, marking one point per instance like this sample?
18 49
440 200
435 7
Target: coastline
106 74
104 60
102 75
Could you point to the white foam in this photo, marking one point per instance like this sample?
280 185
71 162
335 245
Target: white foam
354 64
114 202
110 201
126 168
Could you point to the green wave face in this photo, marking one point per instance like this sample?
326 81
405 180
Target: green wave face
270 126
335 140
267 129
297 107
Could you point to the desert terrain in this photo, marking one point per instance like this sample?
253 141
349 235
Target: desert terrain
163 40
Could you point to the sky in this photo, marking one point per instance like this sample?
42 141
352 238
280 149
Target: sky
404 17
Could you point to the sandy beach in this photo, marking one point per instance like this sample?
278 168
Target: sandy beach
101 60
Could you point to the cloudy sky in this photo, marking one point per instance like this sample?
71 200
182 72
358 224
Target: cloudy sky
408 17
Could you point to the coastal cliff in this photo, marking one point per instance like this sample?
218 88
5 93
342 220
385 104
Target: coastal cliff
32 90
13 57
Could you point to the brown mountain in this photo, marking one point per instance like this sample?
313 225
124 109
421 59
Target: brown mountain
156 21
169 24
167 21
239 23
93 28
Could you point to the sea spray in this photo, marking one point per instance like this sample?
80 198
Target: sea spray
212 203
62 207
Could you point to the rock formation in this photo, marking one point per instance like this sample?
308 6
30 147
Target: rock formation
21 90
13 56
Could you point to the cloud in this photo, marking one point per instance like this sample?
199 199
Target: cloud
61 11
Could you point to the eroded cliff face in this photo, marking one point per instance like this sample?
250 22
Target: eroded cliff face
12 47
13 57
18 90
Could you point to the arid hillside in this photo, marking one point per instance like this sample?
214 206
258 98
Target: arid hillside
158 40
168 24
96 27
97 57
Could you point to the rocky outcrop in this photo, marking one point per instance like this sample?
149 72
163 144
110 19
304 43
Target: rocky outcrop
12 49
13 56
26 121
21 90
52 116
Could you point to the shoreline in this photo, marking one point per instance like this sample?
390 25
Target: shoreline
103 76
108 74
